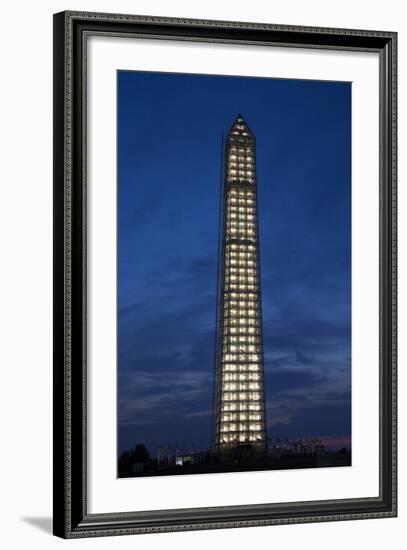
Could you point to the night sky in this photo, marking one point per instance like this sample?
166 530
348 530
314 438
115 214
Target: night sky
169 159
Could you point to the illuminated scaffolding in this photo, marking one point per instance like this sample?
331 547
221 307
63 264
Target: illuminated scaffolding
240 422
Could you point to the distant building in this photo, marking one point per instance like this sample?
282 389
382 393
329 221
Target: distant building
240 421
278 447
174 456
183 460
166 456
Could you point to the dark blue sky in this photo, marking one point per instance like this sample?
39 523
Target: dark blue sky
169 151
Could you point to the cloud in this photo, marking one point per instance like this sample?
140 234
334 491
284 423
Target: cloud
147 395
283 380
313 420
318 409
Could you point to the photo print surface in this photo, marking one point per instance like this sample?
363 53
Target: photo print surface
234 274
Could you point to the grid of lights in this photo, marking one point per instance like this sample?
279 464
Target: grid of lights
240 416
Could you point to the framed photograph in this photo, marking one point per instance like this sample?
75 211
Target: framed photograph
225 274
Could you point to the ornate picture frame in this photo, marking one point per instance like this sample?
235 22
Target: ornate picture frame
72 518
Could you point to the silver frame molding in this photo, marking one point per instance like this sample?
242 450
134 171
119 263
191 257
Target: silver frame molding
71 30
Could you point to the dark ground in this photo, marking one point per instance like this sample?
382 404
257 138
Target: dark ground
286 462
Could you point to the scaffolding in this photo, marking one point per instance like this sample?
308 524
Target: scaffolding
240 421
